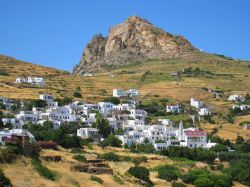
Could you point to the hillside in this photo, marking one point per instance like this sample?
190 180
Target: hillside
66 177
151 77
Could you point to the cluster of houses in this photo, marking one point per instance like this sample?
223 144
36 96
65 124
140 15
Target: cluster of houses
202 109
239 100
125 116
30 80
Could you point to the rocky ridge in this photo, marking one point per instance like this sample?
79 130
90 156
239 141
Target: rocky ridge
135 39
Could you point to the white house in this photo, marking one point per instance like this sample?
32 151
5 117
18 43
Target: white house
119 93
92 133
13 121
123 107
31 80
138 114
28 116
205 111
21 80
49 99
46 97
133 92
105 107
62 114
196 103
194 138
36 80
174 108
236 97
242 107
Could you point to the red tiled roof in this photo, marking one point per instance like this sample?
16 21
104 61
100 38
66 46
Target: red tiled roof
195 133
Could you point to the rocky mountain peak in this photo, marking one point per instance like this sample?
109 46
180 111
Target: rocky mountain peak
134 39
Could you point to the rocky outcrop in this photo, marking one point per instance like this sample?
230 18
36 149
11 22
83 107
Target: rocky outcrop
135 39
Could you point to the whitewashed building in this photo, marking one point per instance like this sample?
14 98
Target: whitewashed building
174 108
133 92
92 133
236 97
196 103
205 111
119 93
49 99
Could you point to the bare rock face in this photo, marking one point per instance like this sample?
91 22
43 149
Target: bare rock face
135 39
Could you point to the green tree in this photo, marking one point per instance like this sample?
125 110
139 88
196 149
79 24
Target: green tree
1 123
203 182
103 126
111 141
4 181
140 173
77 94
114 100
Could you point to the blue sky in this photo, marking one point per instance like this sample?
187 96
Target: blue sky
54 32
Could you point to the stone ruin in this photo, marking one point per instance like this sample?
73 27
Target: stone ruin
93 166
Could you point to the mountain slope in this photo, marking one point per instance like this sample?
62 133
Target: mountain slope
135 39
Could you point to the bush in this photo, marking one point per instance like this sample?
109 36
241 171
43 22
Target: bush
168 173
7 155
79 157
110 156
4 181
141 173
188 178
114 100
77 150
77 94
117 179
47 145
139 160
178 184
96 179
4 72
203 182
44 171
111 141
240 171
143 148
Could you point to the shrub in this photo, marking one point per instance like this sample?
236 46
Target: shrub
110 156
111 141
96 179
168 173
188 178
203 182
47 145
4 181
44 171
77 94
7 155
117 179
139 160
178 184
141 173
240 171
113 100
77 150
79 157
143 148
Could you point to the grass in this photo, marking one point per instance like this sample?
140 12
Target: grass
96 179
